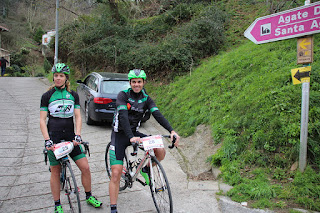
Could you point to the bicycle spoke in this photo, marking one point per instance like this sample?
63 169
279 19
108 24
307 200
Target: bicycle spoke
160 189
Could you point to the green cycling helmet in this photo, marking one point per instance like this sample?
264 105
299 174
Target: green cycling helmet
61 68
137 73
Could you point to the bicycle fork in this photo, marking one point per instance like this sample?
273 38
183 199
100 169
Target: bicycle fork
154 173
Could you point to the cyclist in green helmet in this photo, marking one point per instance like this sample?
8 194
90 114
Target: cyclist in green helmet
61 106
131 105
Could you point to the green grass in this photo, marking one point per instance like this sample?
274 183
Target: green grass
247 97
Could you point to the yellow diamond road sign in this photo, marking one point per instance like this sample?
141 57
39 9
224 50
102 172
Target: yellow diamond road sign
301 75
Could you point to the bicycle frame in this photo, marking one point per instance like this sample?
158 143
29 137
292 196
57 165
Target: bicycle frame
139 166
149 154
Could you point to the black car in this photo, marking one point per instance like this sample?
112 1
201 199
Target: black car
98 93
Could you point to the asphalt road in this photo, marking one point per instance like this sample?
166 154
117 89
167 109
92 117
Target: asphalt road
24 178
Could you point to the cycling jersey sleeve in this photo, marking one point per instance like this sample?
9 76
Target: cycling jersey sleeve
123 114
76 99
158 116
162 120
44 103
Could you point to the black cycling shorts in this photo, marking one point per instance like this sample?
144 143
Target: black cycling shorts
57 137
119 143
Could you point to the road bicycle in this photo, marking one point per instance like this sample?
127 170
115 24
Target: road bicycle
132 165
68 181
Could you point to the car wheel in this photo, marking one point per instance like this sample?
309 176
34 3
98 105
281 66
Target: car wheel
89 121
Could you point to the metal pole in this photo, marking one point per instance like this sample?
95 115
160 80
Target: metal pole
304 122
304 126
57 34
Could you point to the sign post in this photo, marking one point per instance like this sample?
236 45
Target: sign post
297 22
304 100
304 126
302 75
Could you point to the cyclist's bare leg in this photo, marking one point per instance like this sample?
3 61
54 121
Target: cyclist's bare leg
55 182
85 173
160 153
114 183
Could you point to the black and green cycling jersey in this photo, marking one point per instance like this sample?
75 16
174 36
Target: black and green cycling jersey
60 105
131 107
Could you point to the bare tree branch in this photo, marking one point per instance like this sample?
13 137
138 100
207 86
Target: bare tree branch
69 10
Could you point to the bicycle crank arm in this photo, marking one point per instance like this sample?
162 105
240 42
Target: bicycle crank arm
140 181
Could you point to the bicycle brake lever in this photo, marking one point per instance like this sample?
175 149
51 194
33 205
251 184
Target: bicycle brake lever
135 149
86 147
88 150
45 152
173 141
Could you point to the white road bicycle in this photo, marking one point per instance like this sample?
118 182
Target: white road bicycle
67 179
159 184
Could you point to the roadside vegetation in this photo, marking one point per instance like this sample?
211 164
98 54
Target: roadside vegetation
201 70
247 97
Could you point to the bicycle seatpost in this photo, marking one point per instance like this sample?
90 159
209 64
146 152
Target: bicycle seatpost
135 149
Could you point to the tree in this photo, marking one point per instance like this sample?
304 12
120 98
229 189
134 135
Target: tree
113 4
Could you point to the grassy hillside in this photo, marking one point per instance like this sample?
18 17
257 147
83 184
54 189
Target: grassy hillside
247 97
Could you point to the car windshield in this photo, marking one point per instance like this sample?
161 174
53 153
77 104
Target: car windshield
114 87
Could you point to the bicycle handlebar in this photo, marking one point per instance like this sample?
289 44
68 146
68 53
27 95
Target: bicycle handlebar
136 145
172 142
86 148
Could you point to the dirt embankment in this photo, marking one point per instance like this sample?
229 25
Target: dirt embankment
194 151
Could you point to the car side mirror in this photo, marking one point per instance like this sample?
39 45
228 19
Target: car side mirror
79 82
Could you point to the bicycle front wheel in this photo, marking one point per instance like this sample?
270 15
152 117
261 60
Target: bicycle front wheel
71 190
160 189
124 182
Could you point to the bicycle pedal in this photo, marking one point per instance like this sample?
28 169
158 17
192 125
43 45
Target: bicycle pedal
160 189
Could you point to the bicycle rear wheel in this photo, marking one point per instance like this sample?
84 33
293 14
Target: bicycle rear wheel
160 189
124 182
71 189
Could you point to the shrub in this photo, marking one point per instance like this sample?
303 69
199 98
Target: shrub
13 69
37 35
161 45
47 66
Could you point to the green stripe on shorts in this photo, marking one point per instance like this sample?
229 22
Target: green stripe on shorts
113 159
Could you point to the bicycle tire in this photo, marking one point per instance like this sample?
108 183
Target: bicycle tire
71 189
124 182
160 189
